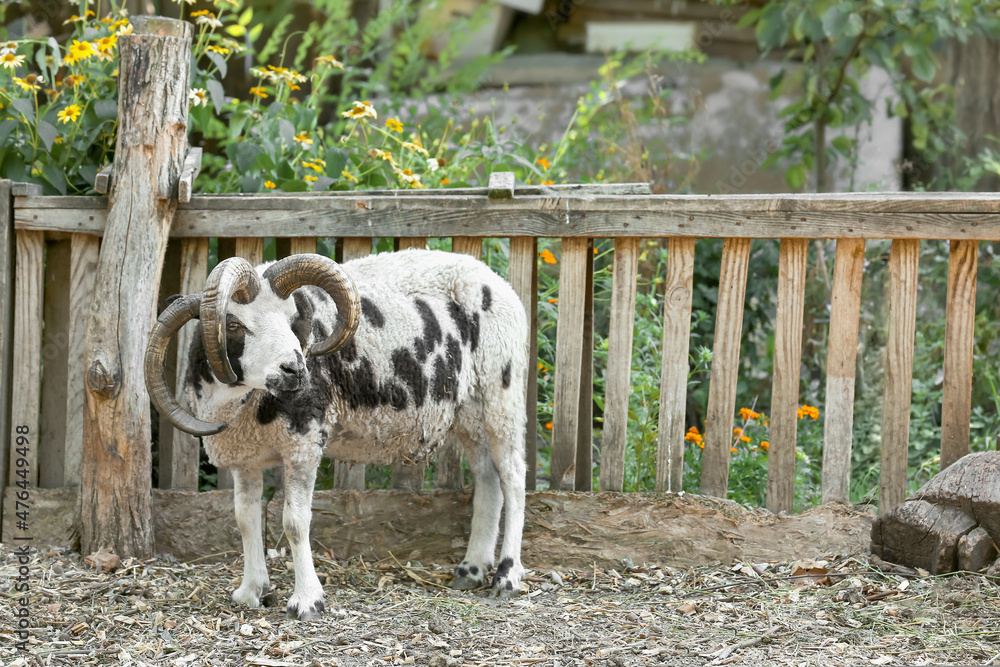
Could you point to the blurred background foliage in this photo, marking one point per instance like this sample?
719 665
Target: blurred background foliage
314 96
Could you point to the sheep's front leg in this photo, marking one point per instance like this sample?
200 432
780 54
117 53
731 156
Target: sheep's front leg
306 602
248 486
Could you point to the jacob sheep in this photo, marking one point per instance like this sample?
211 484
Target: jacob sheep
375 360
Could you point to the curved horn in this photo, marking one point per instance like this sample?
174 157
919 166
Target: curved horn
293 272
235 279
170 321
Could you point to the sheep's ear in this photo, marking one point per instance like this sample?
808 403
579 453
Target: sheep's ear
302 326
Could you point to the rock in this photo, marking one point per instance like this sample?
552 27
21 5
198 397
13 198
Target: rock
438 624
975 550
556 579
441 660
104 561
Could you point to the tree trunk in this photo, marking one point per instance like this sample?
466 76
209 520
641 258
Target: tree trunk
152 141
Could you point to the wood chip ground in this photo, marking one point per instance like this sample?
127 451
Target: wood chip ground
842 610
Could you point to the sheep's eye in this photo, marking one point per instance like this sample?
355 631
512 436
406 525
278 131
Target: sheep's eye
234 326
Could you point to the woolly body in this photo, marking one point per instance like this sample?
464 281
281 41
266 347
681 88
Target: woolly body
439 355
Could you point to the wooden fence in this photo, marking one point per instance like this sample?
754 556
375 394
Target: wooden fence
57 240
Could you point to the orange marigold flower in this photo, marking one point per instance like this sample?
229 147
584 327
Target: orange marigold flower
808 411
445 181
744 438
733 450
553 300
547 256
746 414
765 445
542 161
693 436
548 182
549 426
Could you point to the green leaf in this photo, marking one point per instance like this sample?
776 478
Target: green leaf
855 24
255 32
294 185
47 133
796 176
843 144
216 93
106 109
236 30
287 131
835 22
246 17
924 66
6 127
55 176
25 108
219 62
244 155
772 28
252 183
336 160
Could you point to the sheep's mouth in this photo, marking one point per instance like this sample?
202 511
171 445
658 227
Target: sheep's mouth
284 385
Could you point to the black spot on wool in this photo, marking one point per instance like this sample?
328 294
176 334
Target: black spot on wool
505 376
424 346
199 371
235 344
446 372
411 372
300 408
302 324
487 298
357 383
372 313
468 327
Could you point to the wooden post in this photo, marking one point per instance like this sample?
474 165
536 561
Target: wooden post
585 426
903 270
956 407
6 326
55 362
619 375
149 155
725 367
83 271
841 366
678 292
792 267
523 276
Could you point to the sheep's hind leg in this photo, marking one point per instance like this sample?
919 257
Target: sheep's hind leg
511 472
486 504
248 486
306 602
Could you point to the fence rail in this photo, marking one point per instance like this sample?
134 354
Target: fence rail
57 242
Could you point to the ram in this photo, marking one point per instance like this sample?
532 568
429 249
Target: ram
376 360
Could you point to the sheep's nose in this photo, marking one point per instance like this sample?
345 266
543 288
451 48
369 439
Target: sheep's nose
290 377
291 370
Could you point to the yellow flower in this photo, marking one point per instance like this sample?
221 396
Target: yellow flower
765 445
79 51
542 161
349 176
269 185
126 30
72 80
8 47
330 60
315 166
232 4
259 92
311 179
547 256
201 12
303 140
70 113
293 86
417 148
209 20
378 153
407 176
26 84
107 44
746 414
394 125
72 19
10 60
361 110
217 49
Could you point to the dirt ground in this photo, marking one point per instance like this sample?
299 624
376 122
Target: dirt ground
836 611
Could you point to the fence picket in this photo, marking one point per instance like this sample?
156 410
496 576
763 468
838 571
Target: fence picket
585 426
522 273
83 273
792 267
725 366
569 355
903 268
170 284
619 374
302 245
27 362
956 407
841 360
677 296
55 362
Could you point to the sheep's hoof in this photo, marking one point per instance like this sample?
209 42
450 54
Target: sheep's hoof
506 580
304 611
468 577
252 596
504 589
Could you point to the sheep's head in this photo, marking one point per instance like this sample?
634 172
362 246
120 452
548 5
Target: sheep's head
248 329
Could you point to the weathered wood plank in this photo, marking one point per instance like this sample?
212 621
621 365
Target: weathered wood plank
170 284
7 253
468 245
55 359
83 272
302 245
841 359
677 297
27 362
351 475
407 242
522 273
189 172
618 381
585 434
598 216
792 268
569 355
184 458
903 268
956 406
725 367
501 185
151 143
